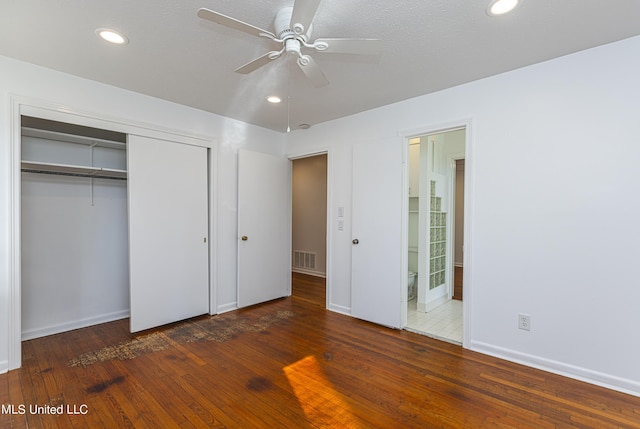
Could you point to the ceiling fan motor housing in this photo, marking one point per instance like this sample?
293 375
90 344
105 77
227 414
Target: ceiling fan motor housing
292 46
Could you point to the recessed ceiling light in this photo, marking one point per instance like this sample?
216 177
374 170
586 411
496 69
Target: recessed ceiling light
274 99
500 7
112 36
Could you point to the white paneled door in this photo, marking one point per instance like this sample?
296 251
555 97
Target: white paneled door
376 274
168 231
264 227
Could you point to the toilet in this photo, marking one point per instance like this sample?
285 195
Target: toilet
412 286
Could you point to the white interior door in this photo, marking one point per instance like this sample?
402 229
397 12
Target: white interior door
168 231
264 227
376 274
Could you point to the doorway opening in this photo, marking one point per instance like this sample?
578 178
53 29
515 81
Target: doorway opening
309 229
435 229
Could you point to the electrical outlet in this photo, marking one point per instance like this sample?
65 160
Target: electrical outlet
524 322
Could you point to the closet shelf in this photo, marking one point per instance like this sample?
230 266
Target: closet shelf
73 170
72 138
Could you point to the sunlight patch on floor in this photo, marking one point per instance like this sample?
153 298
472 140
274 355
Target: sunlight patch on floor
321 403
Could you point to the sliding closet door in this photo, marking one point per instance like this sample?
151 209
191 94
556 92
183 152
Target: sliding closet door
168 231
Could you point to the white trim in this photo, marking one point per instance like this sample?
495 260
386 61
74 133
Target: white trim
56 112
4 366
225 308
311 154
309 272
469 184
15 274
432 305
441 128
76 324
609 381
20 105
213 229
328 268
340 309
404 239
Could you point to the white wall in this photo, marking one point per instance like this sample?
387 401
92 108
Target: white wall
553 160
25 80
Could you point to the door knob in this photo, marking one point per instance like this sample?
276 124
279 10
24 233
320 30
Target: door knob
245 238
355 241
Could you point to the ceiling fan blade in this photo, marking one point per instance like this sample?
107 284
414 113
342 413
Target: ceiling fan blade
258 62
302 15
349 46
227 21
311 69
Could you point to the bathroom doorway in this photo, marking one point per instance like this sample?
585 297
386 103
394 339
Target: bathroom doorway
309 229
435 229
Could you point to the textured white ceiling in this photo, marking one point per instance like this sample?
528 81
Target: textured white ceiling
428 45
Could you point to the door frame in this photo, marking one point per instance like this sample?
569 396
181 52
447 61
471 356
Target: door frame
21 105
429 129
328 226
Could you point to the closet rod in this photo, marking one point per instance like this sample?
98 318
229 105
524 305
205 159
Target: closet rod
60 173
71 138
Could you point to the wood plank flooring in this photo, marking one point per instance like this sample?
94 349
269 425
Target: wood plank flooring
309 288
289 363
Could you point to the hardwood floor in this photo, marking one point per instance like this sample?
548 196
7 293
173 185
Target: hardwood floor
309 288
289 364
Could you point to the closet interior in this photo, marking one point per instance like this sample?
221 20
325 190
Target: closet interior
74 227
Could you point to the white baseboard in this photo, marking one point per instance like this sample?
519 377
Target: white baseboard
76 324
431 305
4 366
609 381
458 264
309 272
225 308
339 309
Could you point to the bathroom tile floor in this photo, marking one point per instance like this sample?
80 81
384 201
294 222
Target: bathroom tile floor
444 322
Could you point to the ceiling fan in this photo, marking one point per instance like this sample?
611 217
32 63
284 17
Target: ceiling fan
293 27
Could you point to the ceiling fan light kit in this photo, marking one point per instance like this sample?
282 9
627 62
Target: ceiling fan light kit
293 27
